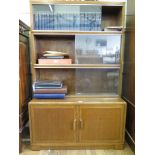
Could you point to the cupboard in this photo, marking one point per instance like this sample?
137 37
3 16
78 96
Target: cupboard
88 123
92 115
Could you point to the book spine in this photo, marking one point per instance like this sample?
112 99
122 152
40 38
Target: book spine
39 23
49 91
34 22
54 61
49 96
45 21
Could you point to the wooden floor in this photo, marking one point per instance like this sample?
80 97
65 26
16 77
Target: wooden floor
26 151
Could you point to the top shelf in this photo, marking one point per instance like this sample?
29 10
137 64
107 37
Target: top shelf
72 33
105 3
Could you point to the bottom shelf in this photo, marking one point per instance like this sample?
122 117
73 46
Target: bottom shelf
75 99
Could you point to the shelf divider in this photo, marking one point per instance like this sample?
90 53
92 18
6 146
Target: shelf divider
72 33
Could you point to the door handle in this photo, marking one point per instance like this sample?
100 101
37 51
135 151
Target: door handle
81 123
74 124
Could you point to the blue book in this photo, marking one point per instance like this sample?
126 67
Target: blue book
39 21
34 21
49 96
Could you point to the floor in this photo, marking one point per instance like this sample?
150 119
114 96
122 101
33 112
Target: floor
26 151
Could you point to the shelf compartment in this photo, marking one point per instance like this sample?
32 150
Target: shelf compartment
66 17
84 81
94 49
113 66
82 49
76 17
96 81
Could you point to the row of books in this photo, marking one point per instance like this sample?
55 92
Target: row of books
49 90
54 57
82 21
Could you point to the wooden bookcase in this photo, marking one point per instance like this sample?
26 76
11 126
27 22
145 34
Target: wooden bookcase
92 115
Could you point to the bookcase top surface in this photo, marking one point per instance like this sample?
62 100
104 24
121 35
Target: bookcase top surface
104 2
80 100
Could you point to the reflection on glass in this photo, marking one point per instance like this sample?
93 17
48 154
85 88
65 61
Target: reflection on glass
95 49
66 17
97 81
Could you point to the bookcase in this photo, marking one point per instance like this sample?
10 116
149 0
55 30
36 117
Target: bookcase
92 114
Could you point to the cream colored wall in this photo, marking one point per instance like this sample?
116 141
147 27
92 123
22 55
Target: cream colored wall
24 11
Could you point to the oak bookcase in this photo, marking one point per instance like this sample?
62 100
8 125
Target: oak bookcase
92 115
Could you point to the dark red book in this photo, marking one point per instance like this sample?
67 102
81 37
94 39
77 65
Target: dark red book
62 90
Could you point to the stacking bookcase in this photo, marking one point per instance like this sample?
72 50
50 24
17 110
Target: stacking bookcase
92 113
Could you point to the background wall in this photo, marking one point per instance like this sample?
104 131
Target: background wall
24 11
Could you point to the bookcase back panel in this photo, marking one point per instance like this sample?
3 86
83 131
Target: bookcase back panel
111 16
55 43
65 75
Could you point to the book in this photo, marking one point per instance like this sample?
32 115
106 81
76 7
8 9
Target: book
113 28
49 84
54 61
51 52
62 90
49 96
53 57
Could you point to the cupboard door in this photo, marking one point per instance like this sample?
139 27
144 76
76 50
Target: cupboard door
101 123
52 123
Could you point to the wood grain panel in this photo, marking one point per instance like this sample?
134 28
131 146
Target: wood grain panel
22 74
71 125
52 123
101 123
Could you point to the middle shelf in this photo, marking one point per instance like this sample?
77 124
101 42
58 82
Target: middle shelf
82 66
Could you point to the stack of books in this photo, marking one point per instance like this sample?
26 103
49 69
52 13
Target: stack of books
49 90
54 57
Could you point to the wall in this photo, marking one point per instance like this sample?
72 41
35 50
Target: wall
24 11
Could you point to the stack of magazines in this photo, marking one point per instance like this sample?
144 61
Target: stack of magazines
49 90
54 57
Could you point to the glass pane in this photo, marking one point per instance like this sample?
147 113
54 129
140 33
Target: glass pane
97 81
96 49
67 17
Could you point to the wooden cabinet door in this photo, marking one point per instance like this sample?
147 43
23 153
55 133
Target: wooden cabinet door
52 124
24 74
101 123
